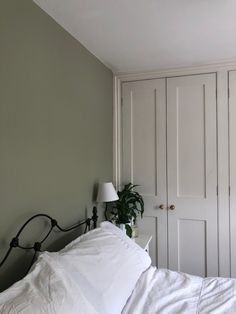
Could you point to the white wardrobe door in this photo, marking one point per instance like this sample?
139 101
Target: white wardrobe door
192 174
144 156
232 128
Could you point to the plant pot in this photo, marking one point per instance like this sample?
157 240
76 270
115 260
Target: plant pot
134 231
123 227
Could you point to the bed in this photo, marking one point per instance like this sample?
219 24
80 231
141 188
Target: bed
105 272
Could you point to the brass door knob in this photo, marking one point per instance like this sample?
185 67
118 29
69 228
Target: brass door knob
162 206
172 207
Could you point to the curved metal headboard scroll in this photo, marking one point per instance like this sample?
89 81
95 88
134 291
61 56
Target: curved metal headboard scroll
15 243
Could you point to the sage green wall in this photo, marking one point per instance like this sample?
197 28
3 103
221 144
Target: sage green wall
55 123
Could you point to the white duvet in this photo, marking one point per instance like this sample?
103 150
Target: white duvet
49 290
168 292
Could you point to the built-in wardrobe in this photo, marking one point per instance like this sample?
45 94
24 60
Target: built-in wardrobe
177 141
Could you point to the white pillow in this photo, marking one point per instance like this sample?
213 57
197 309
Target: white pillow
46 289
105 264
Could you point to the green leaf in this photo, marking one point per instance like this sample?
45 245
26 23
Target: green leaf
130 203
128 230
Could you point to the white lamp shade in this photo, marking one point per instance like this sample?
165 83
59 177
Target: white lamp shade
106 192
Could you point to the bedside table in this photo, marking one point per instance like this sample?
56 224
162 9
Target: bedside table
143 240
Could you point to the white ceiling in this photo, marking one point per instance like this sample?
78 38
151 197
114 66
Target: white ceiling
147 35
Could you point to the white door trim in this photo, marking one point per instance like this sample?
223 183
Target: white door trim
201 69
232 97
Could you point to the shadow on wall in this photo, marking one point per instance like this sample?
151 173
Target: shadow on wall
19 260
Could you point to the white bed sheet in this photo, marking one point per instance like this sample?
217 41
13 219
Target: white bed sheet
167 292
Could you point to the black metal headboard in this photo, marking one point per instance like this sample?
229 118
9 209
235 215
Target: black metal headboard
15 243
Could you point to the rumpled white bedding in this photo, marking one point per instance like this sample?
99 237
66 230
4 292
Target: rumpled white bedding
168 292
47 289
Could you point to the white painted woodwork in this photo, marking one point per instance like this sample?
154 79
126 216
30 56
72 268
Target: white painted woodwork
232 143
192 174
223 173
143 240
190 126
191 244
148 225
221 70
144 155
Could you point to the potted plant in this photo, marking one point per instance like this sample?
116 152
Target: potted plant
128 207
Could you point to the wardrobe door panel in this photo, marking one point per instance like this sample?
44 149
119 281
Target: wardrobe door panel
192 174
144 155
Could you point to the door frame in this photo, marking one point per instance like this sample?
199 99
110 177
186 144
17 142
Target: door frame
221 70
